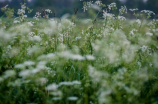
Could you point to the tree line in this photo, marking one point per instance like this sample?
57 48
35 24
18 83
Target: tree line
61 7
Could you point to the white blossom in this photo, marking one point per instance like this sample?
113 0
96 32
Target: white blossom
144 48
98 2
72 98
21 11
148 12
107 15
85 8
133 10
23 6
48 10
52 86
112 5
29 63
122 18
25 73
16 21
123 10
138 21
30 23
90 57
149 34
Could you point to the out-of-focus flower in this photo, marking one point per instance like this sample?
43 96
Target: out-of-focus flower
148 12
21 11
30 23
138 21
112 5
52 86
48 10
72 98
149 34
123 10
133 10
98 2
23 6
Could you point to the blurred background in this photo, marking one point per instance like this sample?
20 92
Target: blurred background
61 7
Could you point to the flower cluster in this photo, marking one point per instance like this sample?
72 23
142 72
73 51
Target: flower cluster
123 10
112 6
133 10
37 16
105 61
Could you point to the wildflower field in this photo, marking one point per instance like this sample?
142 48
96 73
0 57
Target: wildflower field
107 60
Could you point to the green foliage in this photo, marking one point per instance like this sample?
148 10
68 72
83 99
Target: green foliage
107 59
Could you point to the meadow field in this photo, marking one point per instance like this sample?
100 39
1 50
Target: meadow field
107 60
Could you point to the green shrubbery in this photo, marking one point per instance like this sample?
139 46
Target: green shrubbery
93 61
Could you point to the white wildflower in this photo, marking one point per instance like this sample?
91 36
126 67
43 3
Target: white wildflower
48 10
69 55
23 6
65 83
4 36
25 73
21 11
52 86
103 96
72 98
41 65
56 93
90 57
77 38
35 70
89 3
33 49
20 66
123 10
138 21
133 10
25 16
122 18
31 34
29 63
107 15
16 21
50 55
9 73
148 12
149 34
144 48
36 38
85 8
37 16
96 7
30 23
76 82
77 57
132 32
112 5
98 2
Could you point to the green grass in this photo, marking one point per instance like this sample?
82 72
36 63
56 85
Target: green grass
111 61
